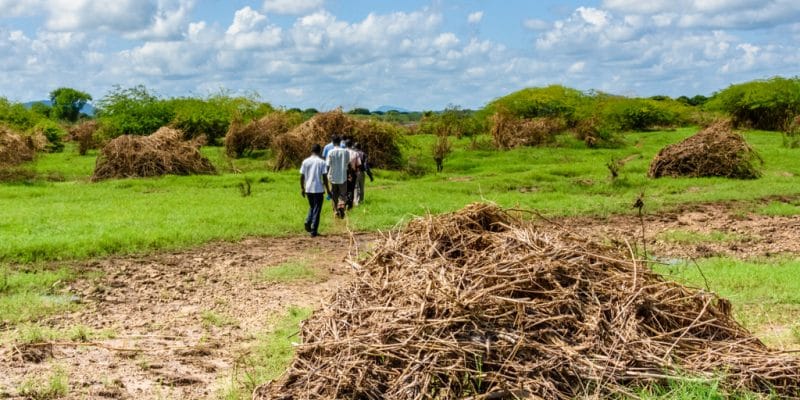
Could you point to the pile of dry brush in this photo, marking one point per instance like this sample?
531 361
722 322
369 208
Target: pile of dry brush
84 134
714 151
509 131
242 139
290 148
16 149
480 305
164 152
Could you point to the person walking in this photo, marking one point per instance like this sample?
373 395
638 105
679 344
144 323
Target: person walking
353 169
328 147
313 184
338 159
364 169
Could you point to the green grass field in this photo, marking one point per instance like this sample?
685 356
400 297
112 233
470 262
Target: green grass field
66 217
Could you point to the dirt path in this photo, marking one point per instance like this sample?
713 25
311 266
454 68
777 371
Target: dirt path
159 306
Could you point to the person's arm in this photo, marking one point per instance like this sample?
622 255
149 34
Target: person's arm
302 185
366 168
325 183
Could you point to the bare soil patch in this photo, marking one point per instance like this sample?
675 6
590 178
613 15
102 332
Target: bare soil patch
155 304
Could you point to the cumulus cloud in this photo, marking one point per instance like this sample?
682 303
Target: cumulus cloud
292 7
728 14
475 17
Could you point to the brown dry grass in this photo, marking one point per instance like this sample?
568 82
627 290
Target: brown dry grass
714 151
84 134
15 148
379 139
164 152
510 131
480 305
242 139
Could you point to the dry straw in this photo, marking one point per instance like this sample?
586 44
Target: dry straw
714 151
509 131
380 139
480 305
164 152
260 134
15 148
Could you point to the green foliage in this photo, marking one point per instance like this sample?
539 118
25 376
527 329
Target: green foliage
42 109
359 111
625 114
452 121
697 100
54 134
212 116
551 101
132 111
17 116
689 388
762 104
67 103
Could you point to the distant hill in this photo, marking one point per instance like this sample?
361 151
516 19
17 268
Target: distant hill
87 109
385 109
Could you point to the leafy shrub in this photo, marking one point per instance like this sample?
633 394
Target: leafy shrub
626 114
54 134
761 104
16 116
553 101
212 116
452 121
132 111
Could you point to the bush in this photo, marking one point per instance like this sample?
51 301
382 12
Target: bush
16 116
212 116
132 111
553 101
624 114
54 134
452 121
763 104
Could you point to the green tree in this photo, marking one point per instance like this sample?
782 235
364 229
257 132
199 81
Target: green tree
133 111
67 103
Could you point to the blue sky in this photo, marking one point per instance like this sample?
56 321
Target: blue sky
414 54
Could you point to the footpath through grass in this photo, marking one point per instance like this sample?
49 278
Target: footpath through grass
66 217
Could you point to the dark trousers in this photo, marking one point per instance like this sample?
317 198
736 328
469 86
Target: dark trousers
315 201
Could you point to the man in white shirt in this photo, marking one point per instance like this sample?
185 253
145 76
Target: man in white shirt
337 161
313 185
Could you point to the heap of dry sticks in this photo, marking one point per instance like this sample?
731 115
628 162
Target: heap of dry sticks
15 148
242 139
714 151
479 305
379 139
164 152
509 131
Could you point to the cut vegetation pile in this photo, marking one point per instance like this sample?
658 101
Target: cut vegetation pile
242 139
83 134
164 152
714 151
15 148
510 131
378 138
480 305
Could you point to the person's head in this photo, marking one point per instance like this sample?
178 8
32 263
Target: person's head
345 143
333 137
316 149
337 140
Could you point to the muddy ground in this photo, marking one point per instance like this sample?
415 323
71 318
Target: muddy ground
159 306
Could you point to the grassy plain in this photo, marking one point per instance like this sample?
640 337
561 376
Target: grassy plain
71 218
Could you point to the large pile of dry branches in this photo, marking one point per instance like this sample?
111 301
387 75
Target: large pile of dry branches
84 134
479 305
162 153
509 131
242 139
15 148
379 139
714 151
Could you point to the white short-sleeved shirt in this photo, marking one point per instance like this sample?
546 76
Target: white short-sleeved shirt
337 160
313 168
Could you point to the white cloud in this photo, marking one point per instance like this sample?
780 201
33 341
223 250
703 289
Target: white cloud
577 67
119 15
728 14
245 20
475 17
294 92
292 7
446 40
535 24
